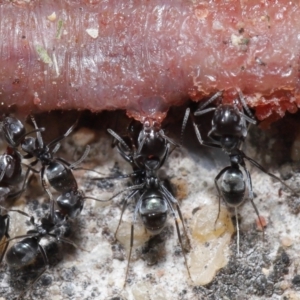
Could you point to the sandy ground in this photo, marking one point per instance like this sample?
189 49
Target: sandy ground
263 269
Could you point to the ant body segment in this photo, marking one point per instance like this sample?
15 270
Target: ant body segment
153 200
228 131
24 252
4 228
146 141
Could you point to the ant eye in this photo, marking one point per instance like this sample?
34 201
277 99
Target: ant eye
12 127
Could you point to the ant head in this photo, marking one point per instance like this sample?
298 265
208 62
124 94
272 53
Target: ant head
29 144
150 140
227 122
151 125
13 131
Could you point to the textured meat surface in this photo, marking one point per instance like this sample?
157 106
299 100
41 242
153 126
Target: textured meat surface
144 56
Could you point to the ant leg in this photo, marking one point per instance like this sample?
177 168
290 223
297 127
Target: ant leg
251 121
5 168
260 167
251 199
78 162
31 168
136 210
131 175
119 139
169 201
16 210
219 192
132 194
245 106
184 122
166 155
27 133
130 250
130 188
38 132
183 224
46 189
67 241
204 111
141 145
46 262
182 248
56 148
201 141
6 235
210 100
175 202
170 141
17 237
127 157
82 158
237 232
67 133
24 183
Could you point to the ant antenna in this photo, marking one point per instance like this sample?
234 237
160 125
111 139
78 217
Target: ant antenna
184 123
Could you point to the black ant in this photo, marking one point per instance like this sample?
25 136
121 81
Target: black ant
57 170
24 252
146 156
54 225
229 129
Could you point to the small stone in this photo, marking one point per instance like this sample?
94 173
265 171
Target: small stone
265 271
93 32
286 241
210 242
181 188
261 223
52 17
83 137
